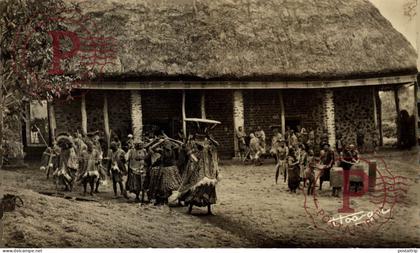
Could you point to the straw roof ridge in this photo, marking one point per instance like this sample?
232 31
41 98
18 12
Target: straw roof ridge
251 39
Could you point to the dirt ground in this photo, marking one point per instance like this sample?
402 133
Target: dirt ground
252 211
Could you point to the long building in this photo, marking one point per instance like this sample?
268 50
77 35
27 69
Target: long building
318 64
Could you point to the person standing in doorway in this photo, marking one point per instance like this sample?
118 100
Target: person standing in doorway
255 150
293 140
281 152
275 142
240 137
260 134
360 140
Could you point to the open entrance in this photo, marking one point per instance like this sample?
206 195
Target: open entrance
35 129
162 112
36 125
293 122
170 127
397 116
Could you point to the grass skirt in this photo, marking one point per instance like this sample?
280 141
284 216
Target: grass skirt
203 194
293 179
117 175
65 177
163 180
135 182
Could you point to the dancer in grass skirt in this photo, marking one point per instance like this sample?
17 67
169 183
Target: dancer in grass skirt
89 167
137 168
68 164
198 187
164 174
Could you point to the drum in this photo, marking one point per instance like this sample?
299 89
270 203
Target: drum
336 177
372 175
357 178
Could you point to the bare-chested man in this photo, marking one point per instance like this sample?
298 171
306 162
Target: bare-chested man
281 152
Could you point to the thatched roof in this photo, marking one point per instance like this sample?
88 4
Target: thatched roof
251 39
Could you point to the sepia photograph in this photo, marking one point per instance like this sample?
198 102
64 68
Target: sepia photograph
196 124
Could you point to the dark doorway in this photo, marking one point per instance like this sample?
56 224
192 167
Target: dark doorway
293 123
169 126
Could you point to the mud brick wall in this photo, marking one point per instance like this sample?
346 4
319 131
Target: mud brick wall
192 107
219 106
192 104
305 105
119 113
329 116
68 115
94 110
262 108
354 110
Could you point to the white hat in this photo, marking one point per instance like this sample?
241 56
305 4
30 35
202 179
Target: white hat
130 136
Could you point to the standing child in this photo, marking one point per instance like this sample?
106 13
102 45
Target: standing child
137 166
303 162
293 171
240 137
310 172
281 152
255 150
89 167
116 168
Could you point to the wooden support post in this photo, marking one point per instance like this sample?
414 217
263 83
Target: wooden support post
397 109
184 123
418 37
106 122
1 140
329 113
2 109
372 175
381 134
375 109
84 114
415 111
203 105
282 115
1 229
136 115
375 116
52 121
238 117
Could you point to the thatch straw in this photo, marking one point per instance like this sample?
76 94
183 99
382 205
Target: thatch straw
251 39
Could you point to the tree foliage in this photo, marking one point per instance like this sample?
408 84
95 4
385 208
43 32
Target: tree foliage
26 49
26 55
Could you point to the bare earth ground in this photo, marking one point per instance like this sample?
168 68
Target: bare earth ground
252 211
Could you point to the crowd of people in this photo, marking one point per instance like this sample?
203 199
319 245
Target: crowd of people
302 159
161 170
156 169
